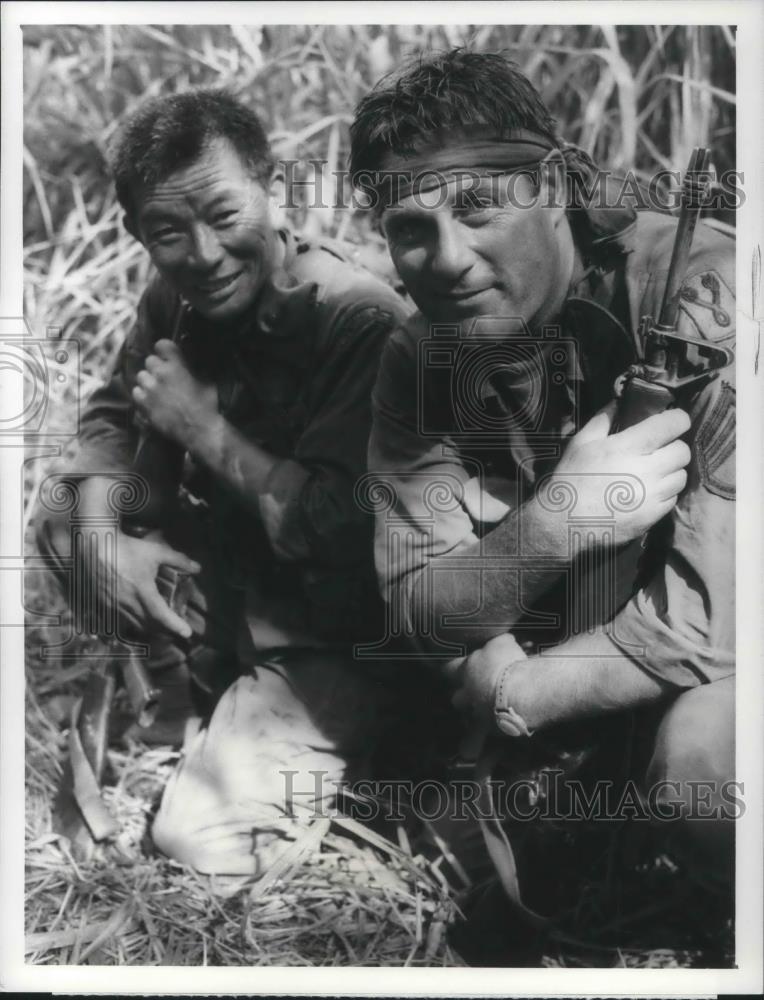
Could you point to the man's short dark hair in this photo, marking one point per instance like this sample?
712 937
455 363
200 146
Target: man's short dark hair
443 90
168 133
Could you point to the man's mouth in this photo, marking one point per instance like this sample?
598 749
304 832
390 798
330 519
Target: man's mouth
219 285
461 296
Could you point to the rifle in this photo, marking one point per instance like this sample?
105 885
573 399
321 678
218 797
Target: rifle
79 812
673 365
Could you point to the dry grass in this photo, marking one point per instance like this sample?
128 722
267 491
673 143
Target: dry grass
342 895
638 96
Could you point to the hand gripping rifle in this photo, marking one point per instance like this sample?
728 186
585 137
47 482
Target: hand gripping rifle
673 365
79 812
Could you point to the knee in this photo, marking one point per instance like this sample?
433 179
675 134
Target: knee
196 826
690 779
172 839
695 743
173 831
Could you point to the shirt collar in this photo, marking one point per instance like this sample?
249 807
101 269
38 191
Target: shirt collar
282 306
278 325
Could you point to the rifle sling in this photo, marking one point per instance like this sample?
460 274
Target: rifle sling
497 842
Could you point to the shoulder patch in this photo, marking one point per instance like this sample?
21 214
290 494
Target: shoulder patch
709 305
715 445
364 326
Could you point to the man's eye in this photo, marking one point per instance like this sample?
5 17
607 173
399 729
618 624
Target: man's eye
476 210
224 218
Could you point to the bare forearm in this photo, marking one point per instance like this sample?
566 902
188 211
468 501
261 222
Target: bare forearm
242 465
493 583
582 678
272 488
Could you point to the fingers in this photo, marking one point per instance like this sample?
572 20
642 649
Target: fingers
146 380
672 485
130 610
663 508
152 363
132 619
163 614
171 557
122 599
166 349
479 503
598 428
671 457
655 432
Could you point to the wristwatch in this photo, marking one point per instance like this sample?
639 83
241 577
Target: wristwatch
508 719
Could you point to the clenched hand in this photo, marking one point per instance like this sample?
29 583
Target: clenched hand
650 452
175 403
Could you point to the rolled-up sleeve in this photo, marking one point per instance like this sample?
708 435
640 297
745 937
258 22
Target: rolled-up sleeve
309 506
681 625
416 486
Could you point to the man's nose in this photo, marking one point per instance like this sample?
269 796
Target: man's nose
206 249
451 257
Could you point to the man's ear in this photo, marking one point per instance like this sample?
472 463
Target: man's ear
553 185
129 223
277 200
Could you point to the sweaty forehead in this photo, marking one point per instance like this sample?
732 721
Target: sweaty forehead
217 172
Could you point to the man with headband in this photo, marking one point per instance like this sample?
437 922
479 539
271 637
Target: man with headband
510 513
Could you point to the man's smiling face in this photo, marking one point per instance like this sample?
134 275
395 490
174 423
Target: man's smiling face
498 250
209 230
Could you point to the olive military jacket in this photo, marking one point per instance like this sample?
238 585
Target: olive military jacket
296 379
460 440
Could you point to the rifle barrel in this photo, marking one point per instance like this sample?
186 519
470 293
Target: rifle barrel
692 189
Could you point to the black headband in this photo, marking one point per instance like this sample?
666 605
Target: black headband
442 152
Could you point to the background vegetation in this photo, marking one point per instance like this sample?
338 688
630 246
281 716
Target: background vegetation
638 97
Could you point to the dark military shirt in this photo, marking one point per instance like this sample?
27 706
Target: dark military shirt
296 379
463 433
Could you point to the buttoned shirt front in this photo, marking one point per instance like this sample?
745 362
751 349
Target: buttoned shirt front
295 378
462 443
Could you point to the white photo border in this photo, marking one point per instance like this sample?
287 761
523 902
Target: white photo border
748 15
